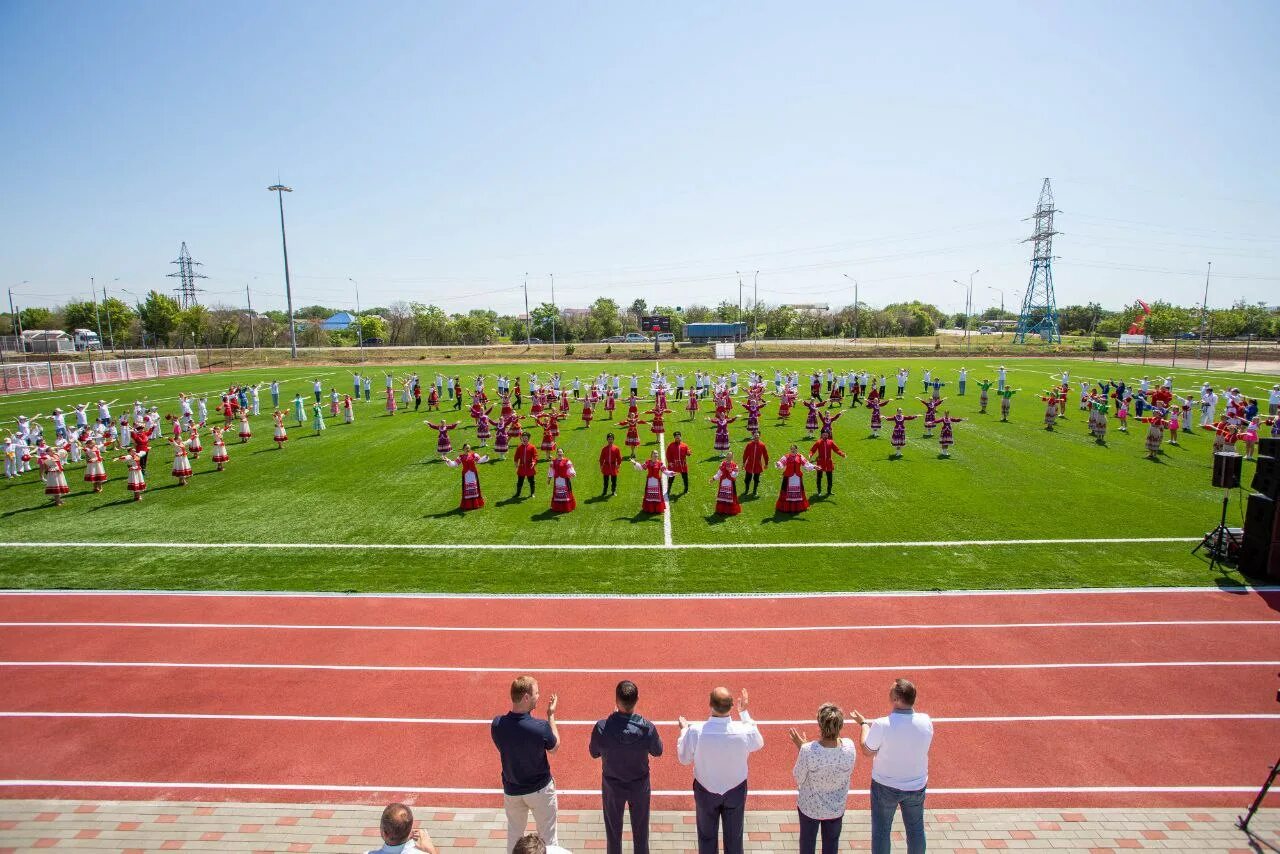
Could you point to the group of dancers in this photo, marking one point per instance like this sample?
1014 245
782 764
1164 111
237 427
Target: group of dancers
132 437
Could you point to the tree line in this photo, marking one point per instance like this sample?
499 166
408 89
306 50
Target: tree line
159 321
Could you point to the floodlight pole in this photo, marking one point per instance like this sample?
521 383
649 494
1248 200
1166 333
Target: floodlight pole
528 319
280 190
855 304
555 312
359 328
755 311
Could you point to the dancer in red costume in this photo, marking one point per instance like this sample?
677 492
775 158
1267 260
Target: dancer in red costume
654 493
472 498
726 480
792 497
561 475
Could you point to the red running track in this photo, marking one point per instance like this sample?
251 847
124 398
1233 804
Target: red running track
1039 702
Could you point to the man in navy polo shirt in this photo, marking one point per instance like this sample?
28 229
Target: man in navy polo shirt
523 743
625 740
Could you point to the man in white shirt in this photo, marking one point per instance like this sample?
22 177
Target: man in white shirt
898 745
398 835
1273 400
718 749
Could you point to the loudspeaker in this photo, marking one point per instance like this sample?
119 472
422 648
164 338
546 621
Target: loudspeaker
1260 551
1266 477
1226 470
1269 445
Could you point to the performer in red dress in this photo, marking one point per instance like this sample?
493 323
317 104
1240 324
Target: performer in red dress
755 456
654 501
678 461
633 433
137 482
561 475
472 499
55 480
526 458
610 461
792 497
94 471
823 454
443 443
220 455
181 465
281 435
726 480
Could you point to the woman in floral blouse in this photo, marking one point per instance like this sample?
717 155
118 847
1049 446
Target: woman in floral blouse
822 771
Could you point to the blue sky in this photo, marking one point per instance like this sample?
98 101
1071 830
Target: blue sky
439 152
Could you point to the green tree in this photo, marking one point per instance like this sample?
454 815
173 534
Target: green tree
638 309
604 312
314 312
194 323
477 326
80 315
36 318
430 325
727 312
159 315
702 314
542 317
371 326
779 322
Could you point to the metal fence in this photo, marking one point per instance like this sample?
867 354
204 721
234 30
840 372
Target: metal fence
47 376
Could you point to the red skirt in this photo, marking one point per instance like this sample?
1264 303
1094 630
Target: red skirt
654 501
727 498
562 500
472 499
245 433
792 497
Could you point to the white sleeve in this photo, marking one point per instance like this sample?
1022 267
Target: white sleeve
875 735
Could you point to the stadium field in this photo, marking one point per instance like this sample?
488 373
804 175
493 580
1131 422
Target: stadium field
367 507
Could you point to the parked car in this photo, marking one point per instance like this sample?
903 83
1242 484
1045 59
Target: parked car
986 330
613 339
1189 336
666 337
373 342
637 338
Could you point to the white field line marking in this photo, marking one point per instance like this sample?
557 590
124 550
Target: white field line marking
921 544
440 668
363 719
662 455
1236 590
663 793
1098 624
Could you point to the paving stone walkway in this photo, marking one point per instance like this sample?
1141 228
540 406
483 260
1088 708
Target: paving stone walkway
142 826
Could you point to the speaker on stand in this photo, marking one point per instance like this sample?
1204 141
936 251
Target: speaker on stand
1226 476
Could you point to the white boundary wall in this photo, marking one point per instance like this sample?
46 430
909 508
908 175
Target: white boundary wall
47 376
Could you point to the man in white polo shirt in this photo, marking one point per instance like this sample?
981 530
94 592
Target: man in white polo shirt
898 745
718 749
1273 400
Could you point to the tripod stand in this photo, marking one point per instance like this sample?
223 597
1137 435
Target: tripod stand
1216 540
1243 821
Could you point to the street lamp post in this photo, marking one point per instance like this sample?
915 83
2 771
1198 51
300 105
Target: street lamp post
997 290
755 310
280 190
554 312
855 304
359 329
968 303
110 332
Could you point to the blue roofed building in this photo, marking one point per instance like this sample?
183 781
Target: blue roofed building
338 322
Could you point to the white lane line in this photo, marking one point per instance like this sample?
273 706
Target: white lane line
1094 624
436 547
1211 590
364 719
663 793
432 668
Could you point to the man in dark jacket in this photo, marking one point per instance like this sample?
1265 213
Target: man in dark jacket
625 741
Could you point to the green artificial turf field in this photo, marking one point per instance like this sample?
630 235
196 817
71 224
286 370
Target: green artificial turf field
377 482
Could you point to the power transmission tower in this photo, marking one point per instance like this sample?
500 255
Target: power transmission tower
1039 309
186 276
